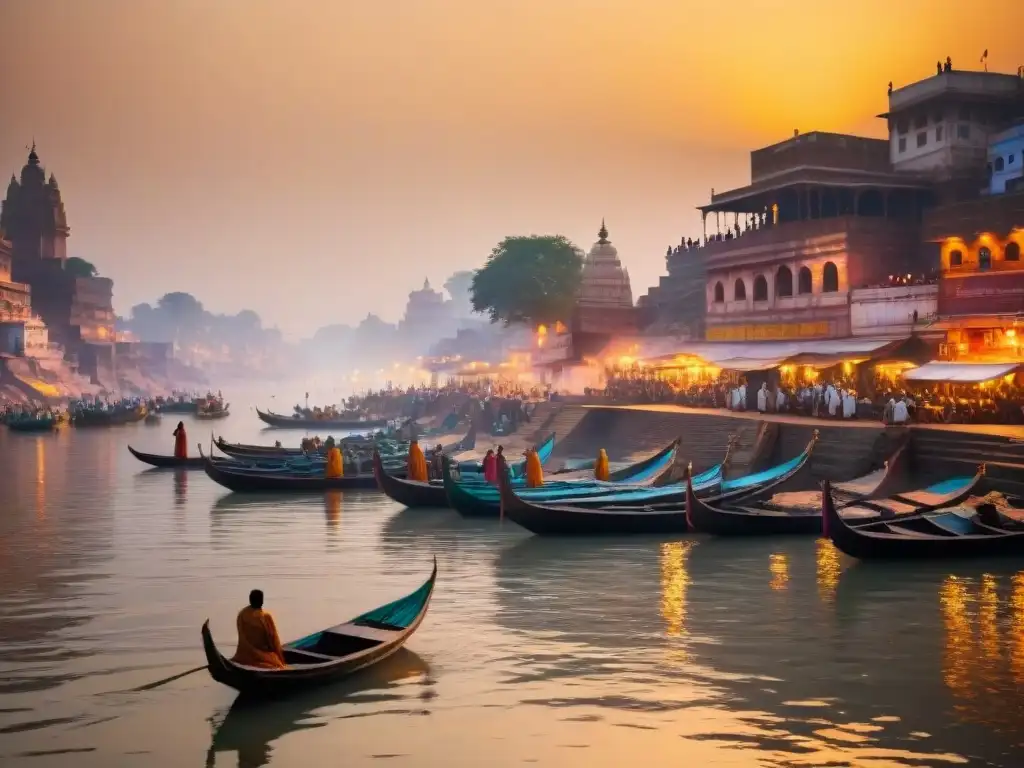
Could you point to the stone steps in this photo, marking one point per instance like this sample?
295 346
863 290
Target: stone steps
841 453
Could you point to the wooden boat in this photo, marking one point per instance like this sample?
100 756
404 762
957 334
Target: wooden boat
300 422
108 417
330 654
413 493
216 413
621 514
178 406
156 460
708 516
43 424
944 533
251 480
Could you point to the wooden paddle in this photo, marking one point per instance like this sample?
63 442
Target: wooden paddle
158 683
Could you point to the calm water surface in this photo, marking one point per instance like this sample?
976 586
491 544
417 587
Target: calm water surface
676 652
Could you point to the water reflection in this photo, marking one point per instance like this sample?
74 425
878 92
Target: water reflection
180 487
828 569
332 508
674 582
778 564
399 685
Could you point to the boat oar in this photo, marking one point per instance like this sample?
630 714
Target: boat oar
158 683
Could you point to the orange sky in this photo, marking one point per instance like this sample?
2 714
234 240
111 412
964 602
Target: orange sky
315 160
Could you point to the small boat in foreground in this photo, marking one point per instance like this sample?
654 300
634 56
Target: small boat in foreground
945 533
157 460
330 654
243 479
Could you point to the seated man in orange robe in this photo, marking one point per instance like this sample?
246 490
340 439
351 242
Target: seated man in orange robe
258 643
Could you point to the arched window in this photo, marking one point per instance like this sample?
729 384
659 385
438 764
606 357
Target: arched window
1012 252
984 258
739 291
760 288
784 282
956 258
830 278
999 164
719 293
804 283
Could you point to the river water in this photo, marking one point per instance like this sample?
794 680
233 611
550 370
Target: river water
669 651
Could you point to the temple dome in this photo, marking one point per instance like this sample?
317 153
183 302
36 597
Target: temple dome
604 282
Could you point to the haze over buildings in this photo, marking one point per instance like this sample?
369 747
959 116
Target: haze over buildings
315 162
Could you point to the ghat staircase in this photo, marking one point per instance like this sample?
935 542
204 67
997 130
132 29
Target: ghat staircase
938 453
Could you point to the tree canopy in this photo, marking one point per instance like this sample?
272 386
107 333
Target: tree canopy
529 279
181 317
77 267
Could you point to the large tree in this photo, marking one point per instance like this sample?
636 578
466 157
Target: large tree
77 267
531 280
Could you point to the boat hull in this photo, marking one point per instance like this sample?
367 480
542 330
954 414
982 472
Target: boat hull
290 422
247 481
167 462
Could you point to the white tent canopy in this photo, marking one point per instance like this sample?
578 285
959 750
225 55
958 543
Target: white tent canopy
963 373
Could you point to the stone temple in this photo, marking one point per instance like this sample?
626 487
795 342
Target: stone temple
605 283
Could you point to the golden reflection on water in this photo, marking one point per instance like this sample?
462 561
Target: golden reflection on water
778 564
40 479
988 626
674 583
332 508
1016 629
828 570
953 597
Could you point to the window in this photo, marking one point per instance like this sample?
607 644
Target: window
998 164
719 293
984 258
903 144
902 126
1012 252
760 288
739 291
1009 160
956 258
938 133
784 282
830 278
963 131
922 138
804 283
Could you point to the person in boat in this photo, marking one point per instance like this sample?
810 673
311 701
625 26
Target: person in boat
601 471
335 467
534 472
437 462
180 441
417 465
258 642
490 467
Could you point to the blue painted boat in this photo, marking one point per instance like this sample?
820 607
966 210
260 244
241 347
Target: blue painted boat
330 654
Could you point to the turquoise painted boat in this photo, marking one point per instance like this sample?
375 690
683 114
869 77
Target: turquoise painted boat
43 424
330 654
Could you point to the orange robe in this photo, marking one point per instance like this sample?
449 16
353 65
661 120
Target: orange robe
335 466
417 469
601 471
180 444
534 471
258 643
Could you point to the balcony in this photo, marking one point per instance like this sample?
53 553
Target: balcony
998 214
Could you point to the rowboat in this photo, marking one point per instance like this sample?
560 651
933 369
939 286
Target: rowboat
943 533
255 479
157 460
414 493
708 516
217 413
44 424
300 422
330 654
627 513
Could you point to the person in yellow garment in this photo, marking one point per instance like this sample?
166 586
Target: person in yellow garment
417 467
601 467
335 465
258 642
534 472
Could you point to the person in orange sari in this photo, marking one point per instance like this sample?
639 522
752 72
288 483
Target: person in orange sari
180 442
601 471
335 465
534 471
258 642
417 467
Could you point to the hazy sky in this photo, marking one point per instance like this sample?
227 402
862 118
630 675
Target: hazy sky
315 160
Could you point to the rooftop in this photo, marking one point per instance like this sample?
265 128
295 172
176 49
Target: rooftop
959 86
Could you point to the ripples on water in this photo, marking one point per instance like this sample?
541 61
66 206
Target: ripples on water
570 653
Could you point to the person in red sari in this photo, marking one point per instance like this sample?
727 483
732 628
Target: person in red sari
180 442
491 467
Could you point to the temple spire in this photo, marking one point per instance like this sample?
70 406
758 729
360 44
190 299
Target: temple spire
33 158
602 233
426 283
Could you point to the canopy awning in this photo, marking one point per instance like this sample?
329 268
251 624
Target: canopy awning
964 373
744 364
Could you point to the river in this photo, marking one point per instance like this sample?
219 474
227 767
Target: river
669 651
